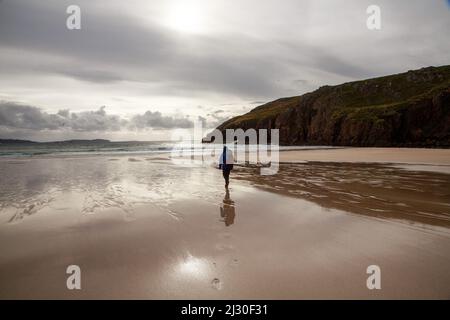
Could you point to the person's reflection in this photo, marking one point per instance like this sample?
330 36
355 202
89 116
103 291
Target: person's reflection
227 211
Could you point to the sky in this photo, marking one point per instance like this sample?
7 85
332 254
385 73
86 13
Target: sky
139 70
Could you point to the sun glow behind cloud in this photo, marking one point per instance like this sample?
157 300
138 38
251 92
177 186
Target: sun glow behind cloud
187 16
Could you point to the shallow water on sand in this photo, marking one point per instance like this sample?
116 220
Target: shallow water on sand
143 227
376 190
94 184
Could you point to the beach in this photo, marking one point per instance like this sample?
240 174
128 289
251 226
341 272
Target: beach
146 227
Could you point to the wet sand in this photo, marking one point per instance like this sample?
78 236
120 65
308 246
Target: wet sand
144 227
371 155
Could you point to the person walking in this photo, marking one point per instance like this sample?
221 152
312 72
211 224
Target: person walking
226 161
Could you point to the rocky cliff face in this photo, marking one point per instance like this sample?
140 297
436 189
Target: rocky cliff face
408 109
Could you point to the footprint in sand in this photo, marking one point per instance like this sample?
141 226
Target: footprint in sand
225 235
234 262
224 246
216 284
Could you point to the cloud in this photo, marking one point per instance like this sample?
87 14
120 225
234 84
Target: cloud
258 102
115 44
115 47
14 116
300 81
91 120
159 121
218 117
20 116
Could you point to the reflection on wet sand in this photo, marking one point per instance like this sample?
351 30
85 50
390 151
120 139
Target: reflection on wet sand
96 184
227 209
370 189
92 185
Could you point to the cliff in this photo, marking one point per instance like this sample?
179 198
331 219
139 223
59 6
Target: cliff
410 109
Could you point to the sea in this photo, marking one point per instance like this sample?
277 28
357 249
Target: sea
104 147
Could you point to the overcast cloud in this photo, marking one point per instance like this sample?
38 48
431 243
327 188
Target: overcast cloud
21 116
153 63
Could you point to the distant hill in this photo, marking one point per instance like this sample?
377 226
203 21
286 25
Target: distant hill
410 109
15 141
76 141
22 142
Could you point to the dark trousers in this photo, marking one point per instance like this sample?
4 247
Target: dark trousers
226 175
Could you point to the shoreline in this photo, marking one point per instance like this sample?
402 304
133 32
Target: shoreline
420 159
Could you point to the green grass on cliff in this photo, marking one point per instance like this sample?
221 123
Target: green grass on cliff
266 111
